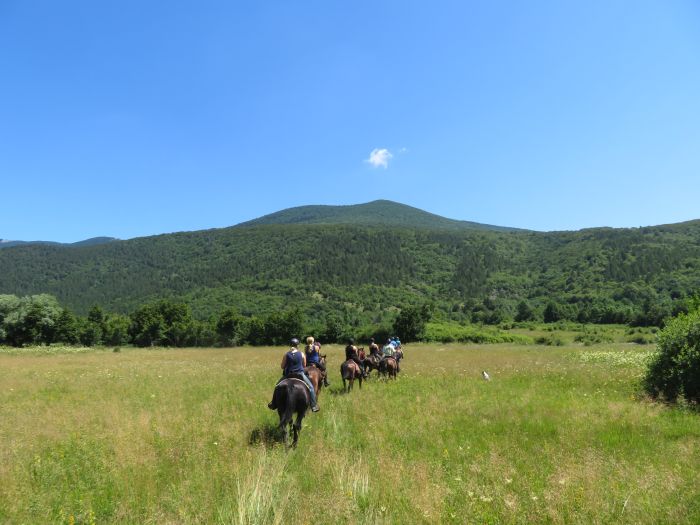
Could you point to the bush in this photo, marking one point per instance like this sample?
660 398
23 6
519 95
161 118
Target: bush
640 339
450 333
592 338
550 340
675 370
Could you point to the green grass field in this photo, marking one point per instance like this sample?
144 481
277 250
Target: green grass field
560 435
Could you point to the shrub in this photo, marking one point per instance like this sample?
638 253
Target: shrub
550 340
592 338
675 370
640 339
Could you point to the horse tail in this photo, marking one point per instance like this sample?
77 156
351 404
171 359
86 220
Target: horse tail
284 399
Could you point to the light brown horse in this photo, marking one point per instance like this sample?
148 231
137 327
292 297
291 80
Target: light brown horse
316 376
388 367
349 372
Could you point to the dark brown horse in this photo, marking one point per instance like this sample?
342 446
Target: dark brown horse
371 363
350 371
291 396
388 366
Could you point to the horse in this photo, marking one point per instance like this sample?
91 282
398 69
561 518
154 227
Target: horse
388 366
291 396
316 376
350 371
398 355
371 363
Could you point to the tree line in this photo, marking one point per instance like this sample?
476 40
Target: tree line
41 320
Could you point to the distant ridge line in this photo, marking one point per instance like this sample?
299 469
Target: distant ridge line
93 241
378 213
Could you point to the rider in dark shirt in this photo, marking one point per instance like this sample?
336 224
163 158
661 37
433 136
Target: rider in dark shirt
352 355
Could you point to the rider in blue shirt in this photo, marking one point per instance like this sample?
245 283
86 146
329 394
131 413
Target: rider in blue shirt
293 364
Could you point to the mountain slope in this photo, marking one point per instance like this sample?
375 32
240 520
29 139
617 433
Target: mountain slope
366 272
375 213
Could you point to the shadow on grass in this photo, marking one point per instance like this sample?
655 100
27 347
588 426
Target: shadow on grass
267 434
336 391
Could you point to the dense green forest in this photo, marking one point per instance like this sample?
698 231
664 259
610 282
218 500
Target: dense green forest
366 274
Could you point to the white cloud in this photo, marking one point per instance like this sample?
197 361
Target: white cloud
380 157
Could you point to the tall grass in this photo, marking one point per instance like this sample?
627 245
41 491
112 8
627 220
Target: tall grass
558 435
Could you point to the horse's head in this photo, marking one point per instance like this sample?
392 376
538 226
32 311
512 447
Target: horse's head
322 358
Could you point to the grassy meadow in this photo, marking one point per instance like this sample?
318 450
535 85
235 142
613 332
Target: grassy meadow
559 435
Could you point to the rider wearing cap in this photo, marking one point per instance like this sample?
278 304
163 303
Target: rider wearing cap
352 355
293 364
313 357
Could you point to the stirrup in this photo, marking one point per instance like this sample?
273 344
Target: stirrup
315 408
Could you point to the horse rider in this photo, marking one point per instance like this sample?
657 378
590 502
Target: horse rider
352 355
388 349
398 352
313 357
373 347
293 364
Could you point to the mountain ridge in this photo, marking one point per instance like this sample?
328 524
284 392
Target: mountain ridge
380 212
92 241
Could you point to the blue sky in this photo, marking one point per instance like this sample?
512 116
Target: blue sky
130 118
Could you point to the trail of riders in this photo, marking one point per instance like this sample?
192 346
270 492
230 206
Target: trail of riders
305 373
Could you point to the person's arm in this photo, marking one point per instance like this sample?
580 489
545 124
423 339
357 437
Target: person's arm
284 362
303 360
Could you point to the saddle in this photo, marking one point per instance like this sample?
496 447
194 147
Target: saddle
294 378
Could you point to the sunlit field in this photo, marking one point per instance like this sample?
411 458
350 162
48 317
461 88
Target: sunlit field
559 435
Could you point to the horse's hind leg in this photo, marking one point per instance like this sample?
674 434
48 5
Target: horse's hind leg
297 429
285 422
285 434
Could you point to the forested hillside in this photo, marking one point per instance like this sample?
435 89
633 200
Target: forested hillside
366 272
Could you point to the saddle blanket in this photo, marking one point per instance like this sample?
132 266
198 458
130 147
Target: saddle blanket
293 379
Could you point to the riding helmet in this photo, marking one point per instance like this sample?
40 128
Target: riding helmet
294 341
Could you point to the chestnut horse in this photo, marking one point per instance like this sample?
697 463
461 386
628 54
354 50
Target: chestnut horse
398 355
388 367
316 376
349 372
